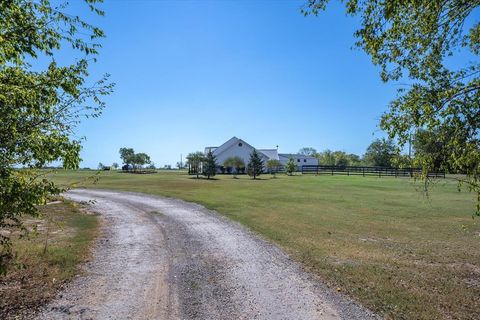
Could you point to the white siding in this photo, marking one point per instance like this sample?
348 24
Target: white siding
300 160
235 151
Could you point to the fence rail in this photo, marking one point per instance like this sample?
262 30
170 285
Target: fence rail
370 171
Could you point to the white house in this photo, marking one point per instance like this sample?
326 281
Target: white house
236 147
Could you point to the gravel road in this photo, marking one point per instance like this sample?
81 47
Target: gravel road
161 258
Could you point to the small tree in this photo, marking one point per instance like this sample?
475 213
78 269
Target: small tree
210 165
239 165
115 165
236 163
255 165
273 165
194 161
228 164
100 166
290 166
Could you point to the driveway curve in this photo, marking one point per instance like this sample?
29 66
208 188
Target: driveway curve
162 258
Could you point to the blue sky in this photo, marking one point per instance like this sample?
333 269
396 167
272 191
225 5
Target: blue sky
194 74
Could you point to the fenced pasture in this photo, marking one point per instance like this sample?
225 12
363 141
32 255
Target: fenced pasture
379 240
367 171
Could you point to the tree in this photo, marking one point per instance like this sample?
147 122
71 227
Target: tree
380 153
210 165
354 160
128 156
41 106
290 166
100 166
341 158
401 161
115 165
308 151
194 161
255 165
228 164
236 163
430 149
140 159
326 158
273 166
132 159
415 40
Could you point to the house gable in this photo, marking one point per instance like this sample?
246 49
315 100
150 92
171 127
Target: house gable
238 149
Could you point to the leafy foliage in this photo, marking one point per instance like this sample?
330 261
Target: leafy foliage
141 159
128 156
338 158
430 149
39 108
255 165
194 161
132 159
210 165
326 158
412 41
273 165
308 151
236 163
290 166
380 153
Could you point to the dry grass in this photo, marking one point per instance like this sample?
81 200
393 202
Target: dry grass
68 232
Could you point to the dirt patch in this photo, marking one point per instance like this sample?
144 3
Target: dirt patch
38 274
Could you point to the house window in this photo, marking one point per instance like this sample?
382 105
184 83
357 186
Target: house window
304 160
240 144
298 160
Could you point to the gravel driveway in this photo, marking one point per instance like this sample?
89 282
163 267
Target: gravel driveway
161 258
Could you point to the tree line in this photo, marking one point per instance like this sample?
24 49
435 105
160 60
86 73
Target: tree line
427 149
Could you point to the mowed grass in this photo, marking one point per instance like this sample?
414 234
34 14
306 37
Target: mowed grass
379 240
37 273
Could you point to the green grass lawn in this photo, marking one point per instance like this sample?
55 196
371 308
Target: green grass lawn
377 239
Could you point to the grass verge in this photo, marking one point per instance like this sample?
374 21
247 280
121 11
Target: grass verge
379 240
66 232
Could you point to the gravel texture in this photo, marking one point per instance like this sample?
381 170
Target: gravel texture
162 258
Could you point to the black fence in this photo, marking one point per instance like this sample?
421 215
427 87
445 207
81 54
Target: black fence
368 171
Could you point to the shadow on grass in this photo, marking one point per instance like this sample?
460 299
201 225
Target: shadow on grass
203 178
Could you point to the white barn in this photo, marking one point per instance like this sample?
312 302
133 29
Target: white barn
236 147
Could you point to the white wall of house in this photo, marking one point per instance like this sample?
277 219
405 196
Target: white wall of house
300 160
238 149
